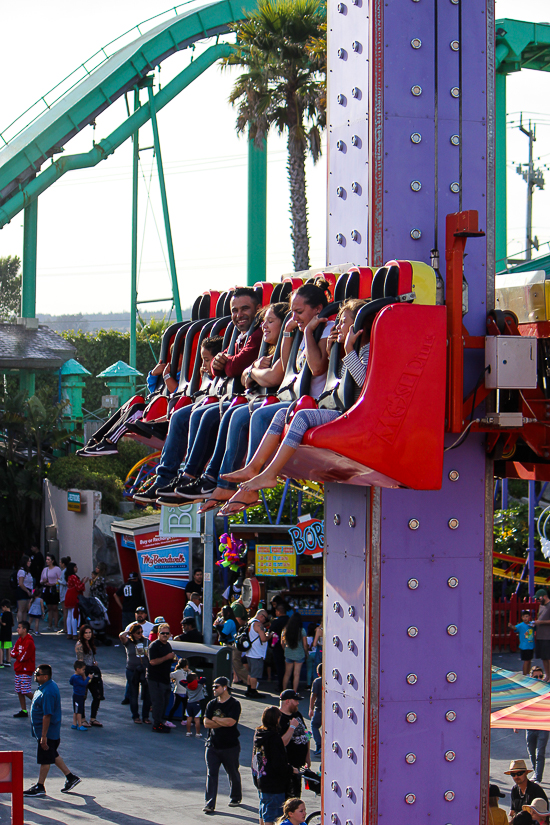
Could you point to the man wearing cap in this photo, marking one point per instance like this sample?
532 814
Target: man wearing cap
141 618
193 609
497 816
293 731
222 746
542 632
539 810
524 790
132 596
189 632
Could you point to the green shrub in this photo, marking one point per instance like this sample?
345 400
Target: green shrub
104 474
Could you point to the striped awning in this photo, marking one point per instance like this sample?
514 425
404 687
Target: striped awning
509 687
531 715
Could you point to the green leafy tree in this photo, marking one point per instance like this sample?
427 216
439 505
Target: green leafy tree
10 287
283 87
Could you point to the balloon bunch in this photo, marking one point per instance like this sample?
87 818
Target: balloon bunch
233 552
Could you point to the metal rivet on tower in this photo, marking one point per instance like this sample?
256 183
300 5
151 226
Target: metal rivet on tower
342 54
412 631
340 145
410 758
416 186
416 137
334 819
454 475
356 92
455 187
449 796
410 799
341 99
451 676
351 611
337 607
342 8
340 191
356 46
351 753
414 524
355 186
412 584
349 792
335 673
450 716
416 234
355 140
454 45
350 713
351 645
453 523
336 519
452 630
352 521
452 581
450 756
336 641
455 140
335 707
416 90
355 236
411 717
455 91
350 678
416 42
412 678
335 747
334 785
339 238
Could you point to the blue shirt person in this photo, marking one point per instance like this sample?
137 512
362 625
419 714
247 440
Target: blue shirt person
46 728
525 631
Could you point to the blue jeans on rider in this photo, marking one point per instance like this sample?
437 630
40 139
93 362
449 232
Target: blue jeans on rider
203 429
175 445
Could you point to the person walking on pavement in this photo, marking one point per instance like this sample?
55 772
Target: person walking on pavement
222 746
536 740
293 731
161 657
256 655
270 767
23 655
316 709
137 661
46 729
524 790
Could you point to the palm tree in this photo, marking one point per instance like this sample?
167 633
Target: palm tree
284 87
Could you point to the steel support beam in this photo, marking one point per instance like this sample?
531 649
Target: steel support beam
30 236
133 285
257 212
165 211
500 169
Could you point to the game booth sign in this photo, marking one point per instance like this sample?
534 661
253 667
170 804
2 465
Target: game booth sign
163 562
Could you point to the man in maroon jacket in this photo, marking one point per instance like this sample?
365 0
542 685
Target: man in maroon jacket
244 305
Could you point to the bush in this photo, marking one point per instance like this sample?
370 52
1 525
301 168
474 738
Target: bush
104 474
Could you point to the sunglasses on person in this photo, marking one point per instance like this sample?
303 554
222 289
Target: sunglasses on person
164 633
138 632
517 773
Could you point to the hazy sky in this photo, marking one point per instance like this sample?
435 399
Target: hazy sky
84 219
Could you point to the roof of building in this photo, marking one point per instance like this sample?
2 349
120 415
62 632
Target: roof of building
118 370
39 349
72 367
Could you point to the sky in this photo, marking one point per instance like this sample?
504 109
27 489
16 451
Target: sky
84 220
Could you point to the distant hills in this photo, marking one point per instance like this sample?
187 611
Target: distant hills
91 322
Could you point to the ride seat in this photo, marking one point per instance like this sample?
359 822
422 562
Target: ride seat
393 435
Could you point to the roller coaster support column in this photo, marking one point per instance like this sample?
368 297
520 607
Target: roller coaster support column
165 212
28 285
257 212
133 288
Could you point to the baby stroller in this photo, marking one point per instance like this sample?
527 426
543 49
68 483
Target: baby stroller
94 613
312 782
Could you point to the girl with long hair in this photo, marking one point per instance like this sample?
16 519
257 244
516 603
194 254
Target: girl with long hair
293 640
294 812
48 579
85 650
270 767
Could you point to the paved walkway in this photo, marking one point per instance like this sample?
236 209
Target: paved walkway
129 775
134 777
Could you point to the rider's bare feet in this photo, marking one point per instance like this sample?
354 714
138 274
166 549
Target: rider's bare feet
239 502
248 472
261 481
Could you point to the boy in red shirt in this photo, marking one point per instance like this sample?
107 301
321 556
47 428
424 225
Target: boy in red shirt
23 654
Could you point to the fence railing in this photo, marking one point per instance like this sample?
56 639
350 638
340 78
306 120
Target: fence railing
507 611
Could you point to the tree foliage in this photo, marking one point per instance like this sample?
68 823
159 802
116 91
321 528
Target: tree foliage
10 287
283 87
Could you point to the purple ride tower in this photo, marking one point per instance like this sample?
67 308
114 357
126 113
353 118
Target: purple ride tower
408 574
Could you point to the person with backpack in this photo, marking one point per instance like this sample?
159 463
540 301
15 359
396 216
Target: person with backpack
257 652
271 770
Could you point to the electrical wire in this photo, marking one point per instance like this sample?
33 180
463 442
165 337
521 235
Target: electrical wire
463 435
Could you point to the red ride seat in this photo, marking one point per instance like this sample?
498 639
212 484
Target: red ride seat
393 435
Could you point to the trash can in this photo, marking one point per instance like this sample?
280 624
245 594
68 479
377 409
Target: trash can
208 661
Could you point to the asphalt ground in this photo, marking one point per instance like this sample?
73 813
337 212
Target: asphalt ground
131 776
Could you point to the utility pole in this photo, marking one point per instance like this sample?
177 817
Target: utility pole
533 177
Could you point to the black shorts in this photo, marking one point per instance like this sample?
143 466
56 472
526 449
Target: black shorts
48 757
526 655
50 595
78 704
542 649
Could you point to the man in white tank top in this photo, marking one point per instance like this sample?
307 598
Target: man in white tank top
256 654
